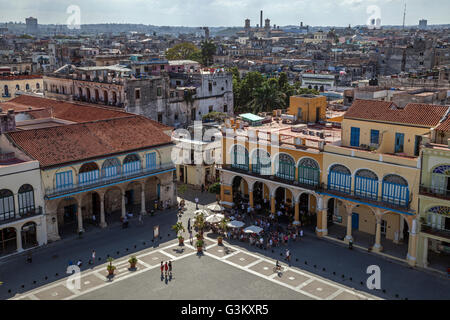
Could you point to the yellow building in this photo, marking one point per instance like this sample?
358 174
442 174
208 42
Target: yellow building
308 108
10 85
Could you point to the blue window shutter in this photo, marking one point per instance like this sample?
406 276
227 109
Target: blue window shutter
354 137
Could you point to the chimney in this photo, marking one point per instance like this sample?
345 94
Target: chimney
261 19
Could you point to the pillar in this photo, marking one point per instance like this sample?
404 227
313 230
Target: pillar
143 211
80 216
297 212
124 210
322 223
411 257
425 252
272 204
250 196
102 211
349 237
19 239
377 246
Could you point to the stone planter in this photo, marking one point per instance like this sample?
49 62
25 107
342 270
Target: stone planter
180 241
219 241
199 249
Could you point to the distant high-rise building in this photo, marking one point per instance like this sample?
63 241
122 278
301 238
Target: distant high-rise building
247 23
32 25
423 24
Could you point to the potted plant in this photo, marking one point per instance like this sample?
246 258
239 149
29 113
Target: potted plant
178 228
199 245
200 222
223 226
110 267
133 261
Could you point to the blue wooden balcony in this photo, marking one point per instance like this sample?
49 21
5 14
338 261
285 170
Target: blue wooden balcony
109 176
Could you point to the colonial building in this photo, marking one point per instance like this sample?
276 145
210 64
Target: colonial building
96 164
12 85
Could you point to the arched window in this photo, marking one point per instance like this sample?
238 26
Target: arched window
340 179
440 179
111 168
395 190
6 205
366 184
308 172
439 218
26 199
239 157
38 86
17 87
89 173
131 163
261 163
6 91
286 167
27 87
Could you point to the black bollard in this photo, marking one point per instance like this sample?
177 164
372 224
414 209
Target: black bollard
281 254
362 283
296 259
396 295
343 276
153 240
9 291
34 282
334 273
23 286
384 290
56 274
126 249
315 266
107 255
306 262
99 258
323 269
46 277
135 246
118 252
350 279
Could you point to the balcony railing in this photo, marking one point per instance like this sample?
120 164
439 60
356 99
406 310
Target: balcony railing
437 232
321 188
437 192
120 176
28 213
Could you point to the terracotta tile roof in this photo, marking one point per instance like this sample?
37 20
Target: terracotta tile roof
444 126
82 141
62 109
427 115
21 77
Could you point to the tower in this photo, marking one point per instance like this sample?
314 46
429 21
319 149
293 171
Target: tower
261 19
267 24
247 23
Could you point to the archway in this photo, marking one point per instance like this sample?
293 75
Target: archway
261 195
105 97
331 207
152 192
97 95
90 208
113 204
67 216
284 204
8 240
133 197
29 235
88 94
240 190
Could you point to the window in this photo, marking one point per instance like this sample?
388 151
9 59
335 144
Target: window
162 67
239 157
176 117
286 167
366 184
26 199
137 94
151 160
210 108
417 144
308 172
131 164
111 168
262 164
160 117
27 87
64 180
210 86
225 108
159 91
17 87
6 205
395 190
374 136
399 140
178 83
340 179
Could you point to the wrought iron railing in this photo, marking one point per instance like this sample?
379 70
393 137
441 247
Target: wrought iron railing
121 175
437 192
26 214
434 231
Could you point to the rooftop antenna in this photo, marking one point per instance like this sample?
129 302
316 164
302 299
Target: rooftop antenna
404 17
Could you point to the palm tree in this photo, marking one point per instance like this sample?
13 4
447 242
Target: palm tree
267 98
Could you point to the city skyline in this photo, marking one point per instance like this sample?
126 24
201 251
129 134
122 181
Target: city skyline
230 13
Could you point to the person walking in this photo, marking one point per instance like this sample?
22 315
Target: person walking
166 268
301 233
162 269
170 268
196 203
93 256
288 256
203 188
189 224
140 219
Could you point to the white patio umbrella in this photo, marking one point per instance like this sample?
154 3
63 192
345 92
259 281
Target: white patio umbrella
253 229
215 207
205 213
235 224
215 218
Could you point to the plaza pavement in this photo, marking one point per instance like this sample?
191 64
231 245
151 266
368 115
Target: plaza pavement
332 263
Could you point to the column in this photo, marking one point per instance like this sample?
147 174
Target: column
272 204
102 211
411 257
250 196
16 205
297 212
80 216
377 246
143 211
349 237
19 239
124 210
425 252
322 223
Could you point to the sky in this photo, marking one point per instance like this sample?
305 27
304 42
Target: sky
216 13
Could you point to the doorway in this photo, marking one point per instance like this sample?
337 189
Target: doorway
355 221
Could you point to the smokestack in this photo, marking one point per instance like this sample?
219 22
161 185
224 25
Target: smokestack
261 19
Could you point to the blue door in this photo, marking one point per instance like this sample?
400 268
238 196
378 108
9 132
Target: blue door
355 221
158 189
399 140
354 137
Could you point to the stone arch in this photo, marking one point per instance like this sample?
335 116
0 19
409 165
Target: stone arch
8 240
111 167
261 191
67 215
133 196
261 161
113 200
339 178
152 190
29 235
90 205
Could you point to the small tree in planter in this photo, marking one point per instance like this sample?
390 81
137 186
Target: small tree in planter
133 261
200 223
199 245
110 267
223 227
178 228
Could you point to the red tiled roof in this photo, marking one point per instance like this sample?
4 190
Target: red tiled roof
427 115
61 109
82 141
21 77
444 126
